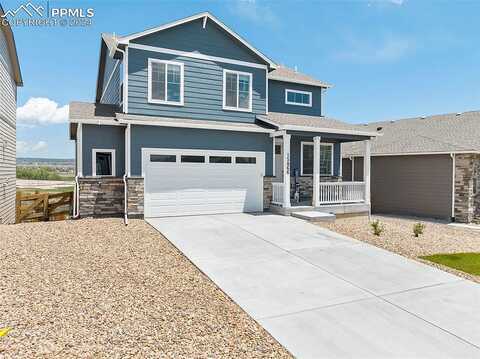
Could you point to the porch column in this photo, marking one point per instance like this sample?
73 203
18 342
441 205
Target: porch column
316 171
366 170
286 170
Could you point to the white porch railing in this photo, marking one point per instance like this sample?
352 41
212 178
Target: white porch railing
277 193
342 192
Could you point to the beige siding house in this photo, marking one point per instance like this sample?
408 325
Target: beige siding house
10 78
427 166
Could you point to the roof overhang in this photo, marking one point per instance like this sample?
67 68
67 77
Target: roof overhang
12 50
281 127
124 40
292 81
347 155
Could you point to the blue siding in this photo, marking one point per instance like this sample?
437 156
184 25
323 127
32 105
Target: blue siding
295 150
191 36
104 137
203 89
112 92
168 137
276 98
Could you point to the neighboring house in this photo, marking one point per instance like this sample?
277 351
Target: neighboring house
428 166
10 78
195 120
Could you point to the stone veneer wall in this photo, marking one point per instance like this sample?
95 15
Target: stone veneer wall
267 192
135 200
101 197
467 188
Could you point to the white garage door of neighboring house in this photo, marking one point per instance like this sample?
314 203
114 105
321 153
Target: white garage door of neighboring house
192 182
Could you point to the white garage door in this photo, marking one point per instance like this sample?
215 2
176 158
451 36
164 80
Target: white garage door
191 182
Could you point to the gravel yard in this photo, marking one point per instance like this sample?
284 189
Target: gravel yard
95 288
398 237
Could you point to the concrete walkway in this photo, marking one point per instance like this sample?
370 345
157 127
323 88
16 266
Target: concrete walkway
324 295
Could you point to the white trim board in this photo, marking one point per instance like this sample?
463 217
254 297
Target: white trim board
149 82
94 161
309 104
307 143
196 55
126 39
414 154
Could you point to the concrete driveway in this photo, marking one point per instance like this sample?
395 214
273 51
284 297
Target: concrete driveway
324 295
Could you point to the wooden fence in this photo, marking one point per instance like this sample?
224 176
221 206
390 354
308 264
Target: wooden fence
43 206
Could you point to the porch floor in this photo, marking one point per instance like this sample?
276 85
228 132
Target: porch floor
337 209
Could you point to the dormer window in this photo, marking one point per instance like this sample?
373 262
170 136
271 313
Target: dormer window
165 82
237 91
298 98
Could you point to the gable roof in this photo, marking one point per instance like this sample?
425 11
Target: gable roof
448 133
12 50
285 74
206 16
293 122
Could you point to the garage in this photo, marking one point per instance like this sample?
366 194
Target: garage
195 182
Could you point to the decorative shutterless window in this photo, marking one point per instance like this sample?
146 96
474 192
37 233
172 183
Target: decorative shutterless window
237 91
326 159
103 162
298 98
165 82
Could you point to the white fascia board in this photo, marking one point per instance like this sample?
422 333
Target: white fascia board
126 39
178 124
196 55
97 122
415 153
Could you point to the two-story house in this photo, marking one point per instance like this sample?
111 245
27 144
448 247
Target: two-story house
10 78
189 118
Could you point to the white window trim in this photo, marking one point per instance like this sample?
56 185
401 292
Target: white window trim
295 103
94 161
304 143
228 108
182 80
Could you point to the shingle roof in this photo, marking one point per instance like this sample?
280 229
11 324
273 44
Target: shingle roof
440 133
311 123
92 111
282 73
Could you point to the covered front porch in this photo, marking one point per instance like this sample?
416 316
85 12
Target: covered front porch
308 174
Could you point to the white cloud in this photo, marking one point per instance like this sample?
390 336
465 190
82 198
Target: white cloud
24 147
43 111
387 50
254 11
396 2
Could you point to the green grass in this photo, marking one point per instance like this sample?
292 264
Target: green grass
466 262
40 173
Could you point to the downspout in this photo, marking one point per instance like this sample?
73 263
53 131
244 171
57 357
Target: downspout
127 172
453 185
125 199
76 201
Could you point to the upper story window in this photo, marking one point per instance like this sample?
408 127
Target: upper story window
165 82
298 98
326 159
237 91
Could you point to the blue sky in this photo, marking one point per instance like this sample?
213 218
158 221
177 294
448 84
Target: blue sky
386 59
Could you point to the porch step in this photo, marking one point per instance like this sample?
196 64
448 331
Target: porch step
314 216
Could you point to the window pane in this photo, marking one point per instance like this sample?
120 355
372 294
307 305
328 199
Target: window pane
104 164
244 91
193 159
163 158
231 90
173 82
291 96
307 159
325 160
220 159
278 149
245 160
158 81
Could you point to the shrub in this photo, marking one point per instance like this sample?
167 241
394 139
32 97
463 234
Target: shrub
38 173
418 229
377 227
